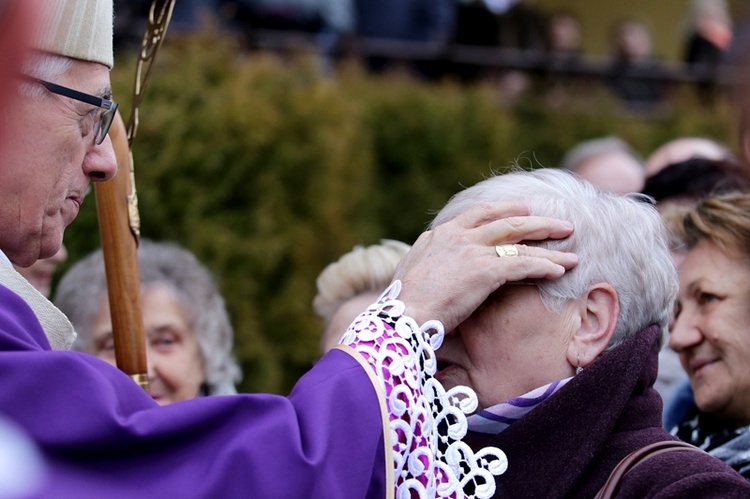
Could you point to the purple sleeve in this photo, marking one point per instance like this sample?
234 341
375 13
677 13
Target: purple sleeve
369 420
102 436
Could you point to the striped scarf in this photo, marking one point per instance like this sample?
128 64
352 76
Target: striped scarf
718 437
495 419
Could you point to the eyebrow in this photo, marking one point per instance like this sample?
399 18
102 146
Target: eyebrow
696 284
104 92
165 328
104 337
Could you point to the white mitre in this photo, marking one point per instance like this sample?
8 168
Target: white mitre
81 29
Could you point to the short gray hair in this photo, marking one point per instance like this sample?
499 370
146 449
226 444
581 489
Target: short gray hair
80 291
45 67
619 240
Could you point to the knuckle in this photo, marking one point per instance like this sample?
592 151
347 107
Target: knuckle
425 236
514 223
482 212
485 207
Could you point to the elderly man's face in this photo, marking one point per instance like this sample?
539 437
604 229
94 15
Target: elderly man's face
49 163
511 345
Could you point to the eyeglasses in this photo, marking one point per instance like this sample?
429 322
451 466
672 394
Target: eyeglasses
104 121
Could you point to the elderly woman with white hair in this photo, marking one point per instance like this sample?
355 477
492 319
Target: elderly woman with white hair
188 333
563 366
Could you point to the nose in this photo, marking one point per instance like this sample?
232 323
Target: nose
100 163
151 362
685 334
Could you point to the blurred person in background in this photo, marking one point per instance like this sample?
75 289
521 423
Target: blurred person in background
294 15
189 336
708 38
710 33
564 36
607 162
635 75
685 148
712 326
678 188
475 25
351 284
425 22
563 57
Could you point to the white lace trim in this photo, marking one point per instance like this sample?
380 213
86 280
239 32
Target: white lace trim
427 423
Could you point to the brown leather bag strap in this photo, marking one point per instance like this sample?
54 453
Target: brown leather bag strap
637 457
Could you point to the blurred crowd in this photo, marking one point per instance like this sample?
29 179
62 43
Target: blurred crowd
437 38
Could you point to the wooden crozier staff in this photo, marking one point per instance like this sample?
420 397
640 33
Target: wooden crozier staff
119 221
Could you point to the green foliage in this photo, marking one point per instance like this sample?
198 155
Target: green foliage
268 172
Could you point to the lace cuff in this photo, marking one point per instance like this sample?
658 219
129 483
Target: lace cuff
426 422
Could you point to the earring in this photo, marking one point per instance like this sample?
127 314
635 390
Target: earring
578 368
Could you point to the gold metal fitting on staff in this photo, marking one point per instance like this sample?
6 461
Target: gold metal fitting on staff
506 250
141 380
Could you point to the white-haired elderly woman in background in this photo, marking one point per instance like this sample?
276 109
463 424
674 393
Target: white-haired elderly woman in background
188 332
563 367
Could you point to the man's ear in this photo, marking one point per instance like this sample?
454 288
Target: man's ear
598 310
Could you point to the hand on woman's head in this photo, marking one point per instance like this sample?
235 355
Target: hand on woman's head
452 269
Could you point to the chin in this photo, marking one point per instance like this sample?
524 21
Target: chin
49 246
708 404
22 255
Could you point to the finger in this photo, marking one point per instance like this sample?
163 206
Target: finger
523 267
516 229
485 213
565 259
533 263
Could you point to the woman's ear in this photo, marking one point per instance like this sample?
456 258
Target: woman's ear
598 311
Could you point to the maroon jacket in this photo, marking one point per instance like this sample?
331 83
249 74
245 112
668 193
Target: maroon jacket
568 446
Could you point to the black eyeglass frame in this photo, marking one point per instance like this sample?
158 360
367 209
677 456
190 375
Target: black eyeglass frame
105 118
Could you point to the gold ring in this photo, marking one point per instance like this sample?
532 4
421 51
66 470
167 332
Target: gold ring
506 250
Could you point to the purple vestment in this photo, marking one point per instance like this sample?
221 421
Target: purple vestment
363 422
103 436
